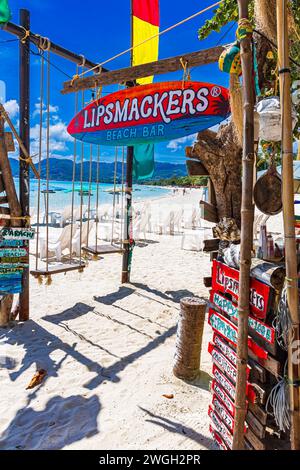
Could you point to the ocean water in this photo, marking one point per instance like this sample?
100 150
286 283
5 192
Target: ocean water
62 195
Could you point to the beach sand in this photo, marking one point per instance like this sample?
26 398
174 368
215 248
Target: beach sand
108 352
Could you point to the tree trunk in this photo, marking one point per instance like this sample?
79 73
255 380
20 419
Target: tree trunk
221 155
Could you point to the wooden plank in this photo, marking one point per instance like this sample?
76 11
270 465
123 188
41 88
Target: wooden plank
208 212
258 429
58 269
9 142
211 244
213 255
256 443
5 210
258 412
102 249
196 168
172 64
272 365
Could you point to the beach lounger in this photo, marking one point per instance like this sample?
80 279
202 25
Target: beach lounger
61 244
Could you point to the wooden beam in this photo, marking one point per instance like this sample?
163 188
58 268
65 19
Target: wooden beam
128 74
208 212
196 168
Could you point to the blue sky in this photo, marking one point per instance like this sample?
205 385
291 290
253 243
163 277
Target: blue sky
99 30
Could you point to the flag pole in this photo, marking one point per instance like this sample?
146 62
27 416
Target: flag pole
127 247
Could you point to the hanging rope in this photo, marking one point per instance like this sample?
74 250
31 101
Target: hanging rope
97 197
170 28
114 195
283 323
122 199
73 179
89 194
47 163
279 402
40 160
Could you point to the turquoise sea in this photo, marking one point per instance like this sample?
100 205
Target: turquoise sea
62 193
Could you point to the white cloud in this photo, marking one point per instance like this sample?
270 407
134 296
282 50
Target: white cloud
37 108
12 107
58 139
177 144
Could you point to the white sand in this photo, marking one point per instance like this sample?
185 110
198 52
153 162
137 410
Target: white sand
108 351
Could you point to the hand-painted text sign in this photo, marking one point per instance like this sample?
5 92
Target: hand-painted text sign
264 331
225 349
151 113
223 413
11 243
217 438
222 362
9 233
220 427
10 286
13 252
228 330
218 390
226 279
229 387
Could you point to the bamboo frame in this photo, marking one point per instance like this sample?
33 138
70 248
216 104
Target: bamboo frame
289 215
247 217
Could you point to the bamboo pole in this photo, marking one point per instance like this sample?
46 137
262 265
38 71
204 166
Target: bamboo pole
289 217
247 216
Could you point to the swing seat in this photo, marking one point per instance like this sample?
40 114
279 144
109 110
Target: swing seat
102 249
57 269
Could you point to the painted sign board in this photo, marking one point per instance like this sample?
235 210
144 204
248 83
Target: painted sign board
265 332
223 414
229 387
226 280
11 243
151 113
228 330
218 390
18 252
220 360
10 286
11 233
217 438
220 427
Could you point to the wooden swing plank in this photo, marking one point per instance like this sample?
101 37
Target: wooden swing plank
102 249
58 269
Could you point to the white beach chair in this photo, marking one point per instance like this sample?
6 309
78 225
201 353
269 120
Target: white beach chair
192 219
86 229
58 246
166 225
142 225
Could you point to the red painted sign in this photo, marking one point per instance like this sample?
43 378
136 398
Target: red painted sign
228 330
151 113
217 438
220 427
226 279
223 414
222 362
229 387
265 332
218 390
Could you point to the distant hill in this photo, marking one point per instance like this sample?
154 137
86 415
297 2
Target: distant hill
62 170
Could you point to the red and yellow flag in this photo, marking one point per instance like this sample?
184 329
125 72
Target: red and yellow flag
145 25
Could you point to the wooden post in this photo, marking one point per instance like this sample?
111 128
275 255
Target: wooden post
24 136
289 216
127 255
247 216
189 338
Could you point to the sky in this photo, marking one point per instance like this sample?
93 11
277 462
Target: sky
100 29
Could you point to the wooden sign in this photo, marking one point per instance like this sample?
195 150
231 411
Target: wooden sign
225 349
228 330
229 387
218 390
217 438
226 279
151 113
10 233
13 252
220 360
266 332
10 286
220 427
11 243
223 414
